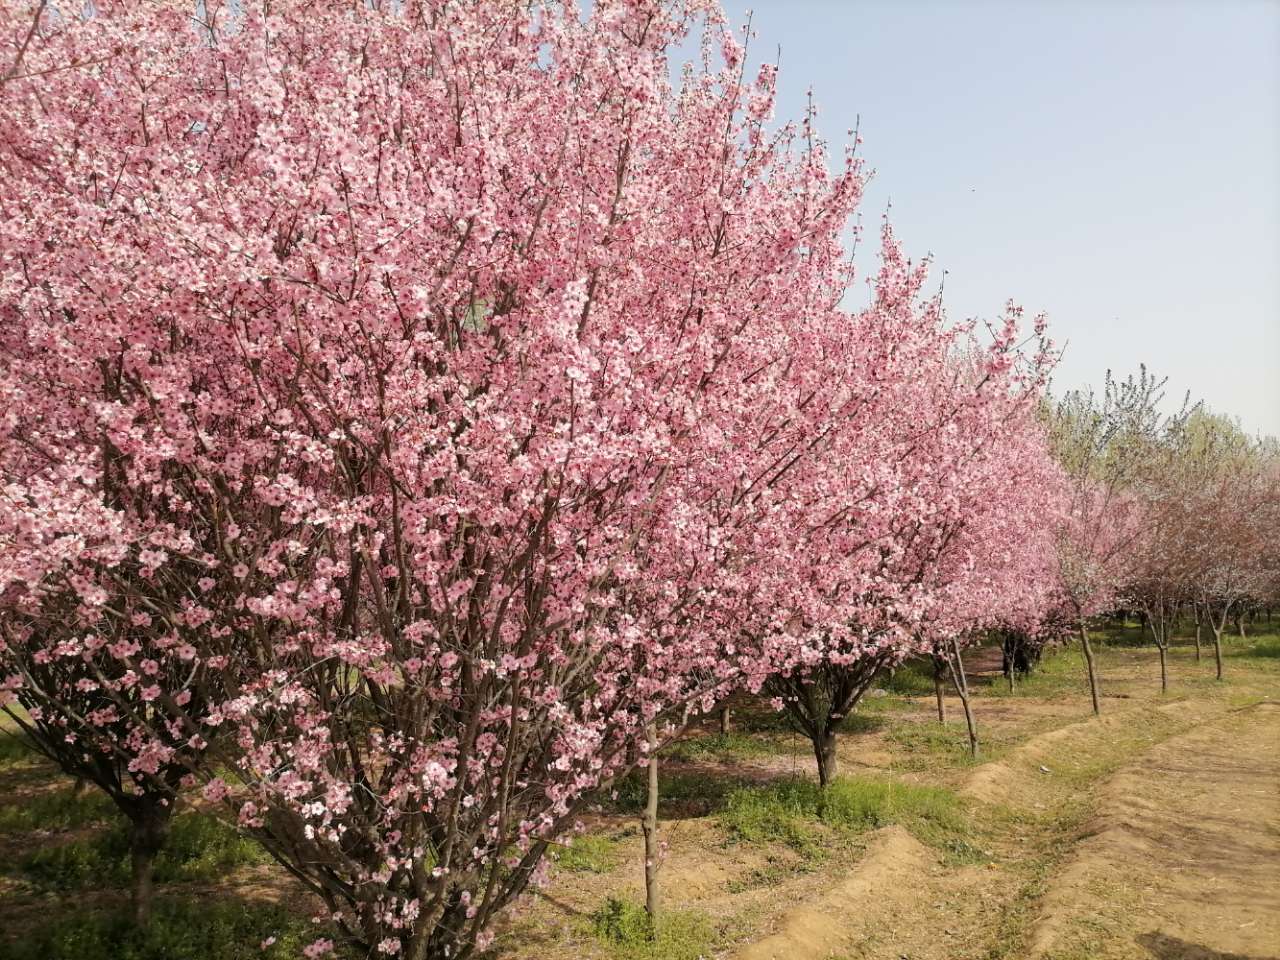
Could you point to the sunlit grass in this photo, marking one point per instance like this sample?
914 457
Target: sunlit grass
198 849
628 933
804 816
180 929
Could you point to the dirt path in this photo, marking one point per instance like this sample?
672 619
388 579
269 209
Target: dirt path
1185 860
892 875
1178 806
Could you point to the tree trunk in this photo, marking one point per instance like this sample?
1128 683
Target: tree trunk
961 683
938 669
824 749
1197 636
1160 634
1217 648
724 719
649 824
1240 626
1088 661
148 831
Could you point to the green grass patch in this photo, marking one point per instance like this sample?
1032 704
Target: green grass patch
930 743
723 747
61 809
805 817
681 792
587 853
628 933
180 930
14 749
1060 672
199 848
1264 647
914 678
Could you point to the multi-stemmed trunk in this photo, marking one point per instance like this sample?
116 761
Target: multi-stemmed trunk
961 683
818 701
1219 626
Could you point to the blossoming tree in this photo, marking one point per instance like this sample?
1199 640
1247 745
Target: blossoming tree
410 407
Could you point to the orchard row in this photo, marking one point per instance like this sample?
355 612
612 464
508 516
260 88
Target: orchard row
408 418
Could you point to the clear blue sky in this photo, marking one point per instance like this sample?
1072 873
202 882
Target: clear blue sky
1115 164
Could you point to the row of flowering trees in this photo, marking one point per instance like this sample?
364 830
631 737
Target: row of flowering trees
1208 546
1170 514
410 412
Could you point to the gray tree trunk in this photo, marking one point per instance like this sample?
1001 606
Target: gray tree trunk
961 683
825 753
649 824
938 669
1088 661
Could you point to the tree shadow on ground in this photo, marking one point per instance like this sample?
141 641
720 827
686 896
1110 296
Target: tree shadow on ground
1164 947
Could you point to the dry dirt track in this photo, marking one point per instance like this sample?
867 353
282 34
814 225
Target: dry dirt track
1180 861
1185 863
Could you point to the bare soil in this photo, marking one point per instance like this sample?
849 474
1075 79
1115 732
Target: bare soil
1184 858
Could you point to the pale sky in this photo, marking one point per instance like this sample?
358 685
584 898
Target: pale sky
1114 164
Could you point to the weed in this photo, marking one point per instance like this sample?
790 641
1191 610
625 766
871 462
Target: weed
723 746
61 809
587 853
682 792
179 930
801 814
198 849
629 933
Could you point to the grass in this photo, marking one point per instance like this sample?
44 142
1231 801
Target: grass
198 849
627 932
723 747
800 814
1059 673
928 743
179 930
14 749
776 870
1263 647
914 678
682 793
587 853
61 809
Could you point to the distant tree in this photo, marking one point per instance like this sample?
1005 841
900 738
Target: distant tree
1102 444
